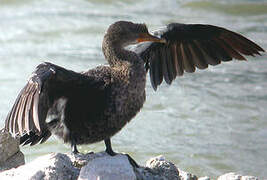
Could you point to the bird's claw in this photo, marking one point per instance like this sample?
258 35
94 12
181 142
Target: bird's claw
132 161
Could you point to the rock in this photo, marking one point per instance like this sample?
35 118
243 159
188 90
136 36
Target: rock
101 166
13 162
118 167
233 176
10 155
204 178
98 166
187 176
158 169
52 166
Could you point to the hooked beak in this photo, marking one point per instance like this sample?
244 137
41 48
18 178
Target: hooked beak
148 37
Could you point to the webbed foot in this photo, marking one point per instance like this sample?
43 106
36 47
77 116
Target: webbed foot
112 153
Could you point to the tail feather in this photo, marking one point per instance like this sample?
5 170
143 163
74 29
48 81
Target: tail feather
33 138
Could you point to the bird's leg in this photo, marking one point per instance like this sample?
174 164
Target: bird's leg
109 148
74 149
112 153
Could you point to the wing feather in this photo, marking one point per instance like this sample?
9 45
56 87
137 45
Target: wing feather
14 124
29 108
13 127
21 119
175 59
231 51
28 117
186 56
218 51
45 87
159 77
170 64
197 56
179 64
156 76
235 43
152 72
191 46
208 54
35 104
165 70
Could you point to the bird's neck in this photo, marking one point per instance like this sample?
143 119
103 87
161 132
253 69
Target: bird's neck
117 55
128 73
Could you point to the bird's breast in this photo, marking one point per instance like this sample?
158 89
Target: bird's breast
129 94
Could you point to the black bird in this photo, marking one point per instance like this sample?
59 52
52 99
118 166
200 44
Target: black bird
88 107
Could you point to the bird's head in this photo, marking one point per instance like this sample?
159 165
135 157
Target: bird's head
126 33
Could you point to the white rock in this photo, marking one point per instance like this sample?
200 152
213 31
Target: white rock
186 175
158 168
52 166
108 168
233 176
101 166
204 178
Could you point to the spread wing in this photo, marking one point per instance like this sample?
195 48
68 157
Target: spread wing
48 85
191 46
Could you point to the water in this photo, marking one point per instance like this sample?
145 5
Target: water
210 122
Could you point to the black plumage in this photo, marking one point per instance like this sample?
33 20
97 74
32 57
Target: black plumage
84 108
197 45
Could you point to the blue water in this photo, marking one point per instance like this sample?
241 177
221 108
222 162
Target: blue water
209 123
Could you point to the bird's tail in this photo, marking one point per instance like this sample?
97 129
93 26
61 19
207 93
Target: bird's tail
33 138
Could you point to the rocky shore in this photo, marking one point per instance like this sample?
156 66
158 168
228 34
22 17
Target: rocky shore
91 166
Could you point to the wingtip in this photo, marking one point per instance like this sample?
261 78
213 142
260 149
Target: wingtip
5 129
259 48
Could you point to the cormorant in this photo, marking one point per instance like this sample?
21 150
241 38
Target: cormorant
88 107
